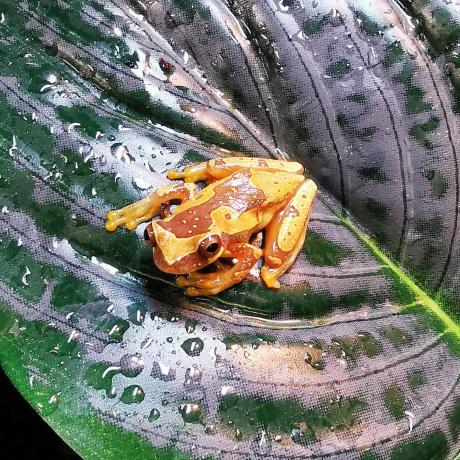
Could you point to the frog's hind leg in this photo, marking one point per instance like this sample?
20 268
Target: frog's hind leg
212 283
222 167
144 210
285 234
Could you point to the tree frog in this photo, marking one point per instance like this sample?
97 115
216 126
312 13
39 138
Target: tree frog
209 235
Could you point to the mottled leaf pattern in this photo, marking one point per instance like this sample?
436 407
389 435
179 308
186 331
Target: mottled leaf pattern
357 356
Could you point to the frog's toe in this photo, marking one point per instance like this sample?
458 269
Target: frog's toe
110 226
193 292
183 281
270 277
194 281
173 174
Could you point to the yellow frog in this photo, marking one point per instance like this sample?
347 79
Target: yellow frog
215 226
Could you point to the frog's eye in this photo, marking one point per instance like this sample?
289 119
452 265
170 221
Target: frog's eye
210 246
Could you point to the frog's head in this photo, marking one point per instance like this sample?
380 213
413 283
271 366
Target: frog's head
183 255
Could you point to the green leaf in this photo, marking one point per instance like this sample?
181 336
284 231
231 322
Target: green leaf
98 101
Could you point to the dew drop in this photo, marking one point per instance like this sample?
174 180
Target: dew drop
191 413
24 277
227 390
121 152
190 325
193 377
193 346
154 415
147 342
72 127
51 78
163 372
141 184
134 394
132 365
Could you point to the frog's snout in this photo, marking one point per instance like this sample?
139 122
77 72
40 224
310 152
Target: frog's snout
149 236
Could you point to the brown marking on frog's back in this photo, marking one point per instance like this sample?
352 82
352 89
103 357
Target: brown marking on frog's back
236 192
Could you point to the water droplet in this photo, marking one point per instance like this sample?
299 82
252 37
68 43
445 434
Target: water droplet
99 376
121 152
227 390
73 336
193 377
154 415
169 339
141 184
111 137
315 363
163 372
147 342
190 325
112 393
193 347
53 403
51 78
24 277
238 434
165 402
69 315
86 151
191 413
72 127
45 88
296 435
132 365
134 394
210 429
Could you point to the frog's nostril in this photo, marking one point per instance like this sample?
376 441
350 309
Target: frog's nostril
149 236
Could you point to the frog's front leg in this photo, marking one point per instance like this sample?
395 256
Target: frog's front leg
144 210
285 234
198 284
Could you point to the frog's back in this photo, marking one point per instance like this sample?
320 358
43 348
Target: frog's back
229 199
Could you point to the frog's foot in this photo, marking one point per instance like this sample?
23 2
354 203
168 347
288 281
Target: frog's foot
144 210
285 235
202 284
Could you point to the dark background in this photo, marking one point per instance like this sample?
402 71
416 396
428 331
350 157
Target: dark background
23 434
